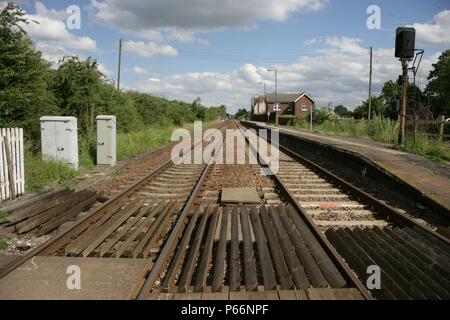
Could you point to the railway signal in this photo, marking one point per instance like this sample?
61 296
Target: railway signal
404 49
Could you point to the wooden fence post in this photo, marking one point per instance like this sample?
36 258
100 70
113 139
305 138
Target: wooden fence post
441 128
12 175
12 183
2 172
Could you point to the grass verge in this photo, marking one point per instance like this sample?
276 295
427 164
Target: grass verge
3 245
429 148
3 214
42 173
134 143
382 130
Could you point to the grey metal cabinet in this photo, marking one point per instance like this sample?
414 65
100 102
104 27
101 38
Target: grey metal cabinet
106 140
59 139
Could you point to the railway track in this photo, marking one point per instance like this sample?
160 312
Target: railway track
311 236
413 259
267 250
132 223
327 204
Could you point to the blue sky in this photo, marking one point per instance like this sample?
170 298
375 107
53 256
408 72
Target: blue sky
219 50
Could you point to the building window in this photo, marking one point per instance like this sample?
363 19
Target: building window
304 106
277 107
290 106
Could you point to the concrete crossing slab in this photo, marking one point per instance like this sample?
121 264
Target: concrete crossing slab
240 195
46 278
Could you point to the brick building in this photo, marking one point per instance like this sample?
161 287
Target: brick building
297 104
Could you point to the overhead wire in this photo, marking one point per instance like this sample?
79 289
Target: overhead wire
244 58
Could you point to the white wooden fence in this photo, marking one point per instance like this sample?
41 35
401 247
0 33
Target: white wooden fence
12 173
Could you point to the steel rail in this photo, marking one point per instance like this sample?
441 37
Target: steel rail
380 206
330 250
63 237
171 242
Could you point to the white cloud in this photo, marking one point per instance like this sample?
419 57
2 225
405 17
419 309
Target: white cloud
139 70
185 36
104 69
310 42
339 74
54 31
42 11
437 33
51 36
181 21
149 49
349 45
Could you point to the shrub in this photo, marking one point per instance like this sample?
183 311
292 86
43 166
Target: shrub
3 245
300 121
321 115
430 148
3 214
41 173
287 120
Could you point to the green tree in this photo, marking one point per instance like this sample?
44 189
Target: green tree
321 115
377 108
391 98
341 111
438 88
113 102
242 113
76 87
24 75
391 95
223 111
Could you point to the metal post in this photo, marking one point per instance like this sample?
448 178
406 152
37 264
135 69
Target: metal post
119 66
414 107
414 69
276 96
370 86
265 95
311 119
441 128
402 134
251 108
265 102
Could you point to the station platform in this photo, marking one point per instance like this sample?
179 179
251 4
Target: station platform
431 179
45 278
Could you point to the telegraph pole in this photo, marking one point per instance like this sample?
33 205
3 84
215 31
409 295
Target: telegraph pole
120 62
370 86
